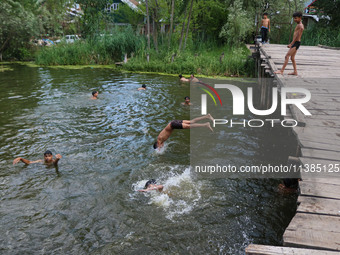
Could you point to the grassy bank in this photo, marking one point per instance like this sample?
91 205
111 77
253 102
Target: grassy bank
203 58
205 61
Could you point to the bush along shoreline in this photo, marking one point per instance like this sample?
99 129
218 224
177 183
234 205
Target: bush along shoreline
204 58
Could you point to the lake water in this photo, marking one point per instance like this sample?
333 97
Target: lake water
89 204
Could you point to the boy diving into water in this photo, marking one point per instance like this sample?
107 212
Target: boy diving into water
48 159
180 124
294 45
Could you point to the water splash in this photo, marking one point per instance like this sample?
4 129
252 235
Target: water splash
180 195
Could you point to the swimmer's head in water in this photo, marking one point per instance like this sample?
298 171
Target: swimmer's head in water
186 98
144 86
149 182
180 76
48 156
94 93
48 152
155 145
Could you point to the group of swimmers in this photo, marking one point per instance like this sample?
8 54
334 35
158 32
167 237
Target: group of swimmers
162 137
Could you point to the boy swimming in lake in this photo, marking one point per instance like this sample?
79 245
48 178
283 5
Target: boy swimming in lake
48 159
193 78
94 94
265 28
294 45
180 124
183 79
143 87
151 185
187 101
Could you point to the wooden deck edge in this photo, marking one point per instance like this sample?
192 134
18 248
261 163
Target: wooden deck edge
258 249
328 47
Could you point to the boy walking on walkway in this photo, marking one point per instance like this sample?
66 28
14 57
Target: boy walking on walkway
294 45
265 28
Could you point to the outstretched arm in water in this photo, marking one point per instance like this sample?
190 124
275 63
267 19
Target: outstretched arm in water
26 161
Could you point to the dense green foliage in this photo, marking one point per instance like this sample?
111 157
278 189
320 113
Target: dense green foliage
20 21
202 30
100 49
202 61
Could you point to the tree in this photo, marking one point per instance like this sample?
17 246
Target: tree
17 26
238 25
95 17
188 24
183 27
331 9
148 23
171 21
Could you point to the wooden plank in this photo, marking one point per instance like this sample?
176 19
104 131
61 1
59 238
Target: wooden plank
317 205
320 154
256 249
319 145
315 222
323 190
323 180
313 231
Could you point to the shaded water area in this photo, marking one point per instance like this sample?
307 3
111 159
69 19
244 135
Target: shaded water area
89 204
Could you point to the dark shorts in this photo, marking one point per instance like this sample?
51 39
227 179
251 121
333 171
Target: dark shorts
176 124
296 45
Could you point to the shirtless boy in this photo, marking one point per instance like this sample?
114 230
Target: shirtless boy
294 45
183 79
180 124
193 78
94 94
48 159
265 28
187 101
143 87
151 185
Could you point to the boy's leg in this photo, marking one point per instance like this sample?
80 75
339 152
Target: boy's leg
266 35
263 35
294 64
288 55
197 125
208 116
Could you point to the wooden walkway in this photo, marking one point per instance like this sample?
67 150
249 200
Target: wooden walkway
316 224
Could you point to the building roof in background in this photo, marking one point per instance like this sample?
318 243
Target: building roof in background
133 4
309 3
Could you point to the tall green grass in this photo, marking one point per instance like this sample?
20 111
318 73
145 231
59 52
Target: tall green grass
312 36
199 57
203 62
329 36
99 49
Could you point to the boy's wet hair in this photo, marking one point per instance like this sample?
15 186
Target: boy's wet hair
297 14
185 98
94 92
265 14
180 76
143 86
155 145
149 182
48 152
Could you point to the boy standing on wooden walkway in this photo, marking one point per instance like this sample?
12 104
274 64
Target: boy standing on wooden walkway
294 45
265 28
